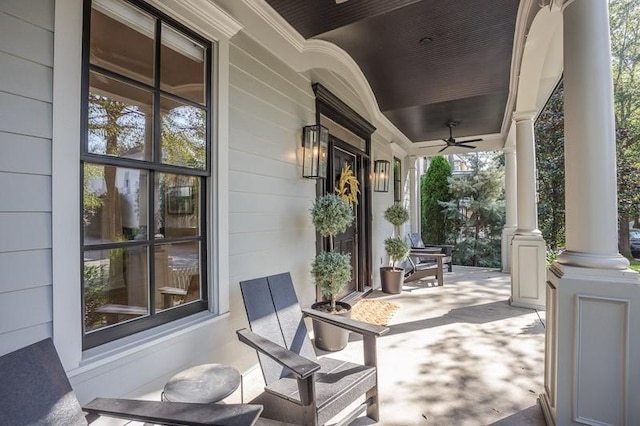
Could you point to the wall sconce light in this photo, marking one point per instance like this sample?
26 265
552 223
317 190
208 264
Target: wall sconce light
315 141
381 176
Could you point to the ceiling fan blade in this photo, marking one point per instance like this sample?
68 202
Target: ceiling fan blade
445 147
446 141
465 146
471 140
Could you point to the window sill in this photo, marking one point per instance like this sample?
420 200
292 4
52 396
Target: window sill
140 342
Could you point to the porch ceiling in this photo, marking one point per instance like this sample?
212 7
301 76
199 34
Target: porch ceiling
460 71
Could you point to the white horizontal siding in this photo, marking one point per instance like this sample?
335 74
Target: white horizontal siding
25 40
25 269
25 154
26 93
273 67
25 308
41 16
25 116
22 337
25 231
25 78
25 193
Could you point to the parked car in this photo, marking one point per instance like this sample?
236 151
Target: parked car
634 242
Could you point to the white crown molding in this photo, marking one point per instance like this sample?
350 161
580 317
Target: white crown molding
516 62
203 15
304 55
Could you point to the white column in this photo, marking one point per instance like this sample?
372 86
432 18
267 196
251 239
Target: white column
593 316
414 196
528 246
510 189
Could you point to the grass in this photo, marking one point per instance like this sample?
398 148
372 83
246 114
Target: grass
635 265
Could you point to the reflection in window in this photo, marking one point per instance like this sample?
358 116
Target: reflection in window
120 118
114 204
182 72
183 134
115 286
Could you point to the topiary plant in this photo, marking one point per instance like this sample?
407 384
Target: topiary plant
395 246
331 271
397 250
331 215
396 215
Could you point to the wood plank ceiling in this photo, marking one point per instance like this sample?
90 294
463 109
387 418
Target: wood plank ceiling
427 61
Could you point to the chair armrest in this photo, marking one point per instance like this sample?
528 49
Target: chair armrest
175 413
418 252
300 366
355 326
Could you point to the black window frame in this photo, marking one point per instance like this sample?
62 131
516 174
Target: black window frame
152 166
397 180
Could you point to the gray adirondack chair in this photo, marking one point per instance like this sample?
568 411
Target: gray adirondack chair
35 391
300 388
446 249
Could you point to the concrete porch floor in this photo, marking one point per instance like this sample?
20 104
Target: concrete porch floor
455 355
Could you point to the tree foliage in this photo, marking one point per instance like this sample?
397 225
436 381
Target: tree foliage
549 131
625 52
476 213
434 189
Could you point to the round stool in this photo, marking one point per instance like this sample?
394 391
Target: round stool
203 384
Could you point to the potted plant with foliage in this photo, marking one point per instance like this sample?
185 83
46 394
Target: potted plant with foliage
331 270
397 249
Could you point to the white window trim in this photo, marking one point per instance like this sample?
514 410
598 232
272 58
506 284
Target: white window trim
216 25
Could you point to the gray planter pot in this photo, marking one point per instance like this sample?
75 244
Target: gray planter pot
391 279
329 337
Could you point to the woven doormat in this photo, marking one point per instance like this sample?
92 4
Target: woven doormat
376 312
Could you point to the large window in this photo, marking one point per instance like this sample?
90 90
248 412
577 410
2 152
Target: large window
145 166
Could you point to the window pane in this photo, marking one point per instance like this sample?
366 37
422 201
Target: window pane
115 203
177 209
115 286
122 39
182 70
183 134
177 274
120 118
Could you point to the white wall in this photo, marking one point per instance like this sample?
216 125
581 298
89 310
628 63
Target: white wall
26 61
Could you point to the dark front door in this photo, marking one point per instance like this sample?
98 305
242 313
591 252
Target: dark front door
347 242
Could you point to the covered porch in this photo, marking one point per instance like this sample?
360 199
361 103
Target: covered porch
459 354
471 352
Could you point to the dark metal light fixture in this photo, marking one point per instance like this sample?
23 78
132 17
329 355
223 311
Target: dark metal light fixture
315 141
381 176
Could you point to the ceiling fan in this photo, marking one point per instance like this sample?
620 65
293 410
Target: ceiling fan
451 140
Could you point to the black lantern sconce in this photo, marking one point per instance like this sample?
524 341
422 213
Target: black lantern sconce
315 143
381 176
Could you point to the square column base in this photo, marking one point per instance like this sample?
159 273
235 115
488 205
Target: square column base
592 347
528 271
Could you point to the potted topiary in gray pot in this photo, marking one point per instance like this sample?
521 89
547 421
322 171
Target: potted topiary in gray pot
331 270
392 277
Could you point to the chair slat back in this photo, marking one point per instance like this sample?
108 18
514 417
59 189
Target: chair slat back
274 313
416 240
35 389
